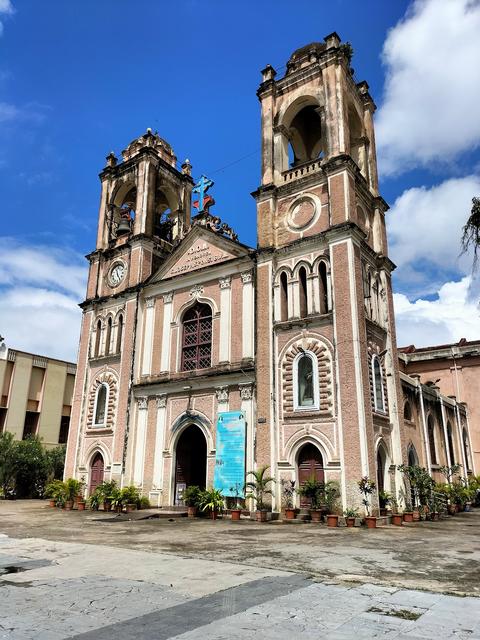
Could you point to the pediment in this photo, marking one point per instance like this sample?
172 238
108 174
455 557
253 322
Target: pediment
199 249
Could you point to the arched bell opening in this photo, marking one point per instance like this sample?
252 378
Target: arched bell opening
190 461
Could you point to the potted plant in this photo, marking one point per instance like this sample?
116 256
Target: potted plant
54 490
314 491
143 503
237 494
71 491
367 488
113 502
331 494
384 499
212 500
129 497
397 518
191 497
259 488
94 501
105 490
350 515
288 493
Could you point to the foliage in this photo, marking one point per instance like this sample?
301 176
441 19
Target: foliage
56 461
191 495
8 463
73 488
55 490
331 495
106 489
350 513
314 491
237 491
259 486
115 499
129 495
451 471
288 491
347 49
384 498
31 468
211 500
94 501
367 487
471 231
144 503
419 481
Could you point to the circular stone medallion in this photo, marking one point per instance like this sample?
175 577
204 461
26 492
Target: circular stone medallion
302 214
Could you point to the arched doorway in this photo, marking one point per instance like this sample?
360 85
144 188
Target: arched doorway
310 465
190 461
381 468
97 471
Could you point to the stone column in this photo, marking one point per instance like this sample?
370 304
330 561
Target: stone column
167 319
148 336
159 442
142 413
246 395
248 317
225 319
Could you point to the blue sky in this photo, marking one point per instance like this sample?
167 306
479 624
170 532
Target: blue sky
80 79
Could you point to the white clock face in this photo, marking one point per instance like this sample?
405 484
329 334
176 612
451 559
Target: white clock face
117 274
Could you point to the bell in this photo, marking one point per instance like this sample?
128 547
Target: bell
123 227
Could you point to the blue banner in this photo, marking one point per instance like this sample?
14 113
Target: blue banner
230 453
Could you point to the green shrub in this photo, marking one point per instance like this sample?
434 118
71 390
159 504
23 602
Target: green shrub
144 503
129 495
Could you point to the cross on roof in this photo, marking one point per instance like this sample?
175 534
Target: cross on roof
202 186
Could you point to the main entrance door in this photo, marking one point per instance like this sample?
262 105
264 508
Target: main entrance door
191 461
97 470
310 465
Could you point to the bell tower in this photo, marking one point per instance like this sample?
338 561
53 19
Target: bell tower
144 210
323 267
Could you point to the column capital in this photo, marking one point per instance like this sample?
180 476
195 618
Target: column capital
225 283
142 402
167 297
246 390
247 276
222 394
149 302
161 400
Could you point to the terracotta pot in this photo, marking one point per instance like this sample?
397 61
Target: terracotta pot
451 509
235 514
130 508
435 515
81 505
416 515
332 520
350 522
290 514
397 519
371 522
316 515
213 515
383 511
192 511
107 505
68 505
261 516
52 503
457 508
408 516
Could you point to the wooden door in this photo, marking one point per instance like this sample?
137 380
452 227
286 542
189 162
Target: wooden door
310 465
97 471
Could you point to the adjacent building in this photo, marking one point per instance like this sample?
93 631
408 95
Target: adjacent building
36 395
201 358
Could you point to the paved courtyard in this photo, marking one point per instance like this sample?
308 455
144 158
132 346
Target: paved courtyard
84 575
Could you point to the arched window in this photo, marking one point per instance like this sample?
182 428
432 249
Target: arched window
305 136
108 337
451 450
378 399
283 296
98 335
302 282
466 449
375 309
119 333
407 411
306 382
322 275
412 456
197 338
431 440
101 406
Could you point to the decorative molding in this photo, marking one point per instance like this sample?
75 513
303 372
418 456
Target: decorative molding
225 283
168 297
142 402
196 290
247 276
38 361
246 390
108 377
149 302
222 394
161 401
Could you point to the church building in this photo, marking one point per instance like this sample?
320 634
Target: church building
202 359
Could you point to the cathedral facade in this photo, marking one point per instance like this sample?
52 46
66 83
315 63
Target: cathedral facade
201 358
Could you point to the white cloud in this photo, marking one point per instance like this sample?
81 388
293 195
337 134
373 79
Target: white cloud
425 227
454 315
432 88
6 8
40 288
